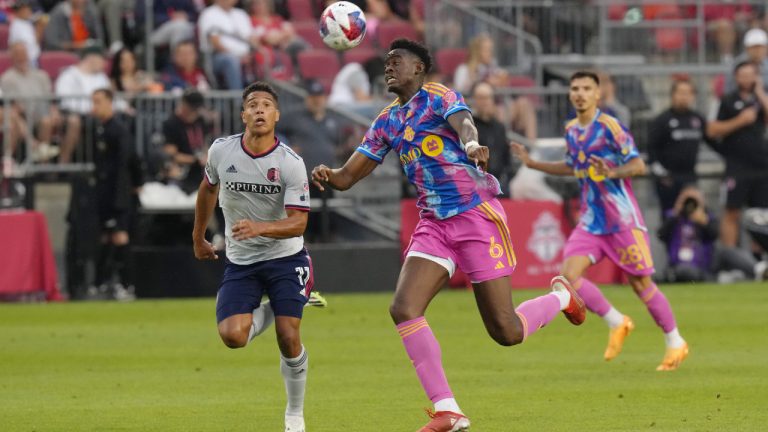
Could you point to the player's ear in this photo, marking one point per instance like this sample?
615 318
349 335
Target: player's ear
277 115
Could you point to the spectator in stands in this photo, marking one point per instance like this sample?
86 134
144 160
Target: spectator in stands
186 133
127 78
755 52
481 65
227 38
724 21
26 81
184 71
173 21
113 157
113 11
22 29
492 133
741 125
609 102
273 33
354 87
689 232
73 25
73 86
673 144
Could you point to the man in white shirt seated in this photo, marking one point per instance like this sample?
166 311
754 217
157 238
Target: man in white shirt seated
22 29
74 86
226 39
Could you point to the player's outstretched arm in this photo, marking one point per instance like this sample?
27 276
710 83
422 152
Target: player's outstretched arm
555 168
464 125
357 167
634 167
292 226
206 202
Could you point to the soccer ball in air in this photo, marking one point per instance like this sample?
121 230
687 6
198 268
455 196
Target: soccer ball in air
342 25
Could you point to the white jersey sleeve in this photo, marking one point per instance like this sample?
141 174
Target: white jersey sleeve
296 184
211 174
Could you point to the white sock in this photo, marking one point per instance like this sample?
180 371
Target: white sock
673 339
448 404
564 296
613 318
295 375
263 317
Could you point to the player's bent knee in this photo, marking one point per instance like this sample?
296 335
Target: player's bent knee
401 312
234 340
507 334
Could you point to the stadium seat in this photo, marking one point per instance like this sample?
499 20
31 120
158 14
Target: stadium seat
448 59
301 10
53 62
283 72
524 82
321 65
308 31
4 34
5 61
359 55
391 30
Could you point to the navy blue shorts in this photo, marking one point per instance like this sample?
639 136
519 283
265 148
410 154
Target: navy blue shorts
287 282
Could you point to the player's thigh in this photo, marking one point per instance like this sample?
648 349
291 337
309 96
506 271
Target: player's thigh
234 329
239 294
574 267
481 242
494 301
287 282
581 250
288 333
420 280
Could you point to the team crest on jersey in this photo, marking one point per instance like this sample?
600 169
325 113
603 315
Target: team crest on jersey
273 175
432 145
409 134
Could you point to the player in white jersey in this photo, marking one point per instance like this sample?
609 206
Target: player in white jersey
261 185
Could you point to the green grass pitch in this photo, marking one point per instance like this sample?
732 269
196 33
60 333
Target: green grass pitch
159 366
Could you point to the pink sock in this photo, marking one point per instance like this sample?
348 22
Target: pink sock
659 307
425 354
592 296
538 312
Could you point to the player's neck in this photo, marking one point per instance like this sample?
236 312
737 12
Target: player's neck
585 117
407 93
258 144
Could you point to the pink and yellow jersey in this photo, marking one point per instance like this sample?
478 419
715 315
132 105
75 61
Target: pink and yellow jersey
607 205
430 152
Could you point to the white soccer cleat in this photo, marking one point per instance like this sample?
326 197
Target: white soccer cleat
294 424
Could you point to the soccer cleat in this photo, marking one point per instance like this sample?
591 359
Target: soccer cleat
575 312
294 424
317 300
446 421
673 357
616 338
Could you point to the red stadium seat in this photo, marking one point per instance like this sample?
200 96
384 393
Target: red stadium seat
5 61
4 34
359 55
283 72
53 62
448 59
301 10
391 30
321 65
308 31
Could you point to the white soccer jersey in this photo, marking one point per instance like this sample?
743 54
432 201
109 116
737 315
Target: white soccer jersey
258 187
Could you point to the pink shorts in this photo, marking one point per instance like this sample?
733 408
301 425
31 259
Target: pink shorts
477 241
627 249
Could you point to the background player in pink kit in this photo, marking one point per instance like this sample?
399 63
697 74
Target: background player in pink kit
462 223
602 155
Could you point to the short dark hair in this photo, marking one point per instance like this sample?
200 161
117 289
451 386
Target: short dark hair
416 49
585 74
260 86
192 98
106 92
743 64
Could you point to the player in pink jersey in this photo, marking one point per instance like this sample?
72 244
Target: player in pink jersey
462 224
602 155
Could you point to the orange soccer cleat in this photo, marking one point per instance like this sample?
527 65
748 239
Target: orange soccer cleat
446 421
575 312
616 338
673 357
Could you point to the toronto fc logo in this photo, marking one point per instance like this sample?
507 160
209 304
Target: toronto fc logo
547 240
273 175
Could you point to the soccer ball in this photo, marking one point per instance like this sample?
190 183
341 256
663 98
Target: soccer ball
342 25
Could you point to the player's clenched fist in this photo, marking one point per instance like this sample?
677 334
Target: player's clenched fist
601 166
245 229
521 153
479 155
321 174
205 251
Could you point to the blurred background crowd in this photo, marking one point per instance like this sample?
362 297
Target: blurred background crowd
687 77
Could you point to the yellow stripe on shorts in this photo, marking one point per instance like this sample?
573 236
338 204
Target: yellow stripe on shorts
503 232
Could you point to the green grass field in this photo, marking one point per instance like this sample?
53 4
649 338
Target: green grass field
159 366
